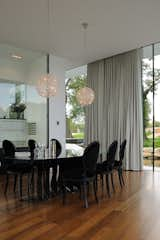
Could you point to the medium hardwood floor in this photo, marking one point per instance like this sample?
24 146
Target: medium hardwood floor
131 213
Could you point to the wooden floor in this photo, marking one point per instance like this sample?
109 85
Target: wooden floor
131 213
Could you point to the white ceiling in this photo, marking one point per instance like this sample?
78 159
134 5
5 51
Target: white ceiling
82 70
28 56
115 26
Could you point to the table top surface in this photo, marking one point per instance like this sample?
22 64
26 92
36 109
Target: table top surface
28 158
24 157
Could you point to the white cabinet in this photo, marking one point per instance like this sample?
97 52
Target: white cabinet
14 130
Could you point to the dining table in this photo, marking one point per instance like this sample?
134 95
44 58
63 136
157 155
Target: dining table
46 184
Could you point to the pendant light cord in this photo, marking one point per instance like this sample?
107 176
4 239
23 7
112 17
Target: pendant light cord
48 23
51 17
84 26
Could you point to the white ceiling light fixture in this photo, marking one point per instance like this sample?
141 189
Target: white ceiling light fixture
85 96
47 84
16 56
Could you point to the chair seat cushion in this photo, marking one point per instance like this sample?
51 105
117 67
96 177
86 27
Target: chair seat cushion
103 167
99 167
75 174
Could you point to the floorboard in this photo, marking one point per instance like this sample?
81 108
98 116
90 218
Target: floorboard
132 213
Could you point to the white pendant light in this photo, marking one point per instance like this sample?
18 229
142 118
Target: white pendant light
47 84
85 96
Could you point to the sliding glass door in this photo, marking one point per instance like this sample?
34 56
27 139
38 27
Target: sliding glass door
151 106
157 105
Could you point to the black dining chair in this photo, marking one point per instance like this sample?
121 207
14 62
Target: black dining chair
31 146
2 168
54 166
8 151
80 171
15 169
118 165
58 149
106 167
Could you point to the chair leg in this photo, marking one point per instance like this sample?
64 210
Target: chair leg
54 186
15 182
96 181
44 184
107 185
6 185
28 185
95 190
112 182
85 194
64 194
20 185
122 177
102 183
120 180
80 192
88 189
32 181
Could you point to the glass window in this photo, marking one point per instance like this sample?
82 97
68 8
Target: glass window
147 74
75 115
22 110
157 105
151 100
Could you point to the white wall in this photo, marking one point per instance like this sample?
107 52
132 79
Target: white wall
36 105
57 103
12 70
36 69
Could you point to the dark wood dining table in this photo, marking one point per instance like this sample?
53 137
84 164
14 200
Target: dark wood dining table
45 187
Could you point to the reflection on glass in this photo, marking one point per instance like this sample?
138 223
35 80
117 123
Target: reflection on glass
22 110
12 99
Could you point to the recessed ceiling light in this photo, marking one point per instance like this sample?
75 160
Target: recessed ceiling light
15 56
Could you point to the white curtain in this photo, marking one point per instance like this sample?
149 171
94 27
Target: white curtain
116 113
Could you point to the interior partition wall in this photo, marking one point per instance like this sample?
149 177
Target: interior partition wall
151 105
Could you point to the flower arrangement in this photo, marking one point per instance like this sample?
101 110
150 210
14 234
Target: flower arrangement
18 108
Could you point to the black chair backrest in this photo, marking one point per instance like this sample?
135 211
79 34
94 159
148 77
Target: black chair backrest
122 150
8 148
31 146
112 152
58 147
2 166
90 157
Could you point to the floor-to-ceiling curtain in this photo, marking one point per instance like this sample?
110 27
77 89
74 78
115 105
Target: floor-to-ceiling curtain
116 113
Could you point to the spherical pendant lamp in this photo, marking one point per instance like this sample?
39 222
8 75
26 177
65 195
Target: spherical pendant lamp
47 86
85 96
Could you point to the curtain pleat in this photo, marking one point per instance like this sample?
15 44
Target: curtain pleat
116 113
